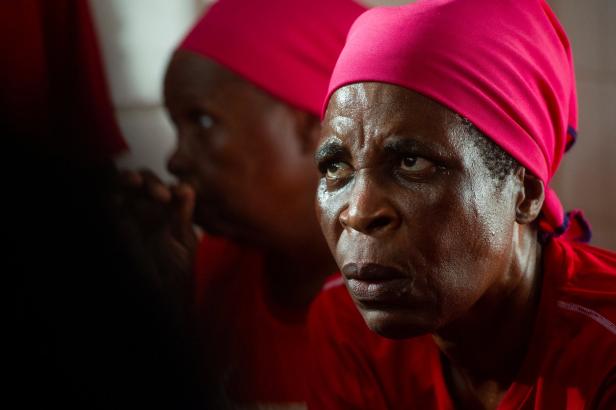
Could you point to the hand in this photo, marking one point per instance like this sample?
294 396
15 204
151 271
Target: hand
155 221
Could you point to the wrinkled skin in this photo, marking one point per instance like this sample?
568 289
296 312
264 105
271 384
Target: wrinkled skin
427 240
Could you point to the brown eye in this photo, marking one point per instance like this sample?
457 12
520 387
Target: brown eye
417 165
338 170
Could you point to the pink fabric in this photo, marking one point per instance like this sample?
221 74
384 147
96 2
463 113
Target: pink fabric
286 47
505 65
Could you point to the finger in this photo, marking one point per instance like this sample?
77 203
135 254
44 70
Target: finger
184 201
185 196
155 187
129 178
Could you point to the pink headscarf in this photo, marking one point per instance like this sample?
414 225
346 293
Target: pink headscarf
505 65
286 47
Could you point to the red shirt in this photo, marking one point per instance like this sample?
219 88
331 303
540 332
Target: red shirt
257 352
571 362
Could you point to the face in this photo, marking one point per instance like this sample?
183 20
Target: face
237 147
417 224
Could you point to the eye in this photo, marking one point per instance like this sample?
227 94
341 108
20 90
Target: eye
417 166
338 170
205 121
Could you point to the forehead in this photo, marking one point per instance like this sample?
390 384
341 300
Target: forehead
192 77
366 114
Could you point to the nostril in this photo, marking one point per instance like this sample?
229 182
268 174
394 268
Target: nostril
378 223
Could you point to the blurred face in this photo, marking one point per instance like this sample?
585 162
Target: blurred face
416 222
237 148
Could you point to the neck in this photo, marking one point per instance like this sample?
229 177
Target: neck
485 349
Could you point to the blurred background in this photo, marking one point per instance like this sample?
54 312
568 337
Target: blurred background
138 36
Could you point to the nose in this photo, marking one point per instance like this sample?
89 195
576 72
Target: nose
178 163
369 209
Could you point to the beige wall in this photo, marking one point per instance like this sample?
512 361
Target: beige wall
587 178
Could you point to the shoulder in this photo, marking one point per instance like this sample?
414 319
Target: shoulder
586 289
583 263
580 315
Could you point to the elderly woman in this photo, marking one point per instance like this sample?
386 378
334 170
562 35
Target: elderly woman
244 91
444 124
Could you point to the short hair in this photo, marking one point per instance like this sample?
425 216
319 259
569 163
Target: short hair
499 163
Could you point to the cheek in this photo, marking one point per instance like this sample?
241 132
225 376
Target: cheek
473 218
328 207
227 149
440 227
468 247
231 169
493 215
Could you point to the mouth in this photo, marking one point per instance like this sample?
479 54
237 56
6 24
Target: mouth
375 286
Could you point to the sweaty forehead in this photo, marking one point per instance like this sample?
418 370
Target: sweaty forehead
371 111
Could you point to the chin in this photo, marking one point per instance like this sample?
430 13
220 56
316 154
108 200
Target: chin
220 226
397 323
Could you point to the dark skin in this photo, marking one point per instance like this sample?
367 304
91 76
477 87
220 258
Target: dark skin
245 171
428 241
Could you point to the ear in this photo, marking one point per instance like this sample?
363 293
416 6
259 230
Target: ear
530 197
308 130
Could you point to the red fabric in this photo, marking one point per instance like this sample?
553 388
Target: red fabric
571 354
288 48
53 88
258 350
505 65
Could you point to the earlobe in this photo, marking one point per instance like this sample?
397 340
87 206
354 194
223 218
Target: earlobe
530 197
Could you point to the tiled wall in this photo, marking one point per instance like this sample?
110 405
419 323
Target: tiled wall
137 37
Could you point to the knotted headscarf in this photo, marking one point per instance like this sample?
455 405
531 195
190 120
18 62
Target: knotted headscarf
286 47
504 65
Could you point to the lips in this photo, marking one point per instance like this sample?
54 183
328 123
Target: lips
376 286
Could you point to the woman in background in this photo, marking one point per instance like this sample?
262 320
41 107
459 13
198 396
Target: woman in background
244 91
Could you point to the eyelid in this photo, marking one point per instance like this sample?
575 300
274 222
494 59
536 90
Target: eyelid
405 151
340 176
407 146
340 165
330 153
424 173
327 162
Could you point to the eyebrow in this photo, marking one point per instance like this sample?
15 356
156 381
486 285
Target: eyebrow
332 148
